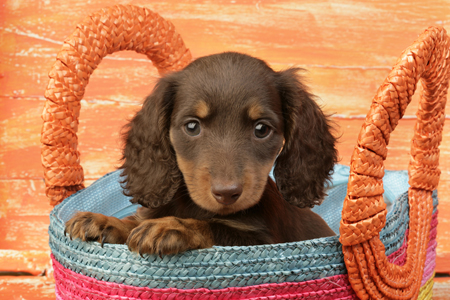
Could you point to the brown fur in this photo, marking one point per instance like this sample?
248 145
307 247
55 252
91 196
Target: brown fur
198 154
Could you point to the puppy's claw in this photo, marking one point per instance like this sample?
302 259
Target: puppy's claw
103 240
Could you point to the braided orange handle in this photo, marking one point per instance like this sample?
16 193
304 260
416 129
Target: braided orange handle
109 30
364 214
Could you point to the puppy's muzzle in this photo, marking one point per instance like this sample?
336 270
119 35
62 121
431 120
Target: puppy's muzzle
226 193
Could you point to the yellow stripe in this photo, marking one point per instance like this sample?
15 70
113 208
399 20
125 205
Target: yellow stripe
426 291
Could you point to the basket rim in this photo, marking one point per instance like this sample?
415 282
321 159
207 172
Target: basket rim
340 169
296 261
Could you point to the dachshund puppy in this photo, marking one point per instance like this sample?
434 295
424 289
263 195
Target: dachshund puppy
198 155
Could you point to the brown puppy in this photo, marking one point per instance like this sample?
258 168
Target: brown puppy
198 156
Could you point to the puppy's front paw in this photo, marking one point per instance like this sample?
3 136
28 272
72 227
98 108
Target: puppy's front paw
89 226
169 235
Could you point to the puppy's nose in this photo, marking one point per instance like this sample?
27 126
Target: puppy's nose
226 194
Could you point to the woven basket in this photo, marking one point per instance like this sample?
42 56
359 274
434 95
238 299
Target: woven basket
382 251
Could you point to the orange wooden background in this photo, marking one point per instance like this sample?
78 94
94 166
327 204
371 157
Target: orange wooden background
348 48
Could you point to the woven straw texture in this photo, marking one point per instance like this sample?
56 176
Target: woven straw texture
424 294
75 286
368 233
364 213
294 270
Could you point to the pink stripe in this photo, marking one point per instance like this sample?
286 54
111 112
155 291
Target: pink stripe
71 285
58 296
430 262
76 286
399 257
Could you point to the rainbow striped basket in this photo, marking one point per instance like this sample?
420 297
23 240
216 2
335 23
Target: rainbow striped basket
313 269
387 243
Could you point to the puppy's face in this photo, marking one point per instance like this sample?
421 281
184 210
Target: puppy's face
226 130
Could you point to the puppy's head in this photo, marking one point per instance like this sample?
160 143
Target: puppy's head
219 125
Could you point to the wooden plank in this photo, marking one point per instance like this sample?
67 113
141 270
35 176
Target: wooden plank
99 137
24 221
26 287
346 92
443 255
124 77
346 74
24 212
346 33
32 262
399 144
349 92
441 288
24 232
21 198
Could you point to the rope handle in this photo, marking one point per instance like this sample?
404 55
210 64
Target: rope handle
364 214
110 30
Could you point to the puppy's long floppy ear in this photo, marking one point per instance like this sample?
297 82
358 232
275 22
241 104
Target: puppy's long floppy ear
149 164
307 159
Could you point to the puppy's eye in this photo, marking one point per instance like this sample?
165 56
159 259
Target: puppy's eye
192 128
262 130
